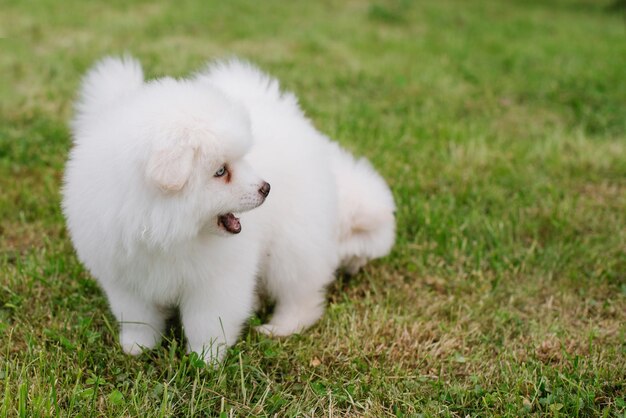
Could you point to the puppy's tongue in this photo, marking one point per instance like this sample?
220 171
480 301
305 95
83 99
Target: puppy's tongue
230 223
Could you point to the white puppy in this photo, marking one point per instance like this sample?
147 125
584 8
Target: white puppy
159 191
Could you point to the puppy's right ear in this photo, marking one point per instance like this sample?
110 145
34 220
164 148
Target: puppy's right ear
170 168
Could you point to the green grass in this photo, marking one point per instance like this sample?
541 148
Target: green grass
501 128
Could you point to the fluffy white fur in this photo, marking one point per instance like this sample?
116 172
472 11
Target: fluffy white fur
143 203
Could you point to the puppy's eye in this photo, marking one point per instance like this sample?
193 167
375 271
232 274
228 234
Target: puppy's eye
220 172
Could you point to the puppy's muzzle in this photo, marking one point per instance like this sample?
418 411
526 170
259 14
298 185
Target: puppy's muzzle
265 189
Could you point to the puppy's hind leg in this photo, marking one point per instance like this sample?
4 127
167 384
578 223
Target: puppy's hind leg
300 301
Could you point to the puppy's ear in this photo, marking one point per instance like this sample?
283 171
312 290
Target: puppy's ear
170 168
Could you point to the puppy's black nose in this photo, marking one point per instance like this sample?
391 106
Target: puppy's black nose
265 189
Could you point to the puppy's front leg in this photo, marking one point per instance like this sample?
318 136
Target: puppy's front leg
212 320
141 322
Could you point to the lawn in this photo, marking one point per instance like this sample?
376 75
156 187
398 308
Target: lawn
499 125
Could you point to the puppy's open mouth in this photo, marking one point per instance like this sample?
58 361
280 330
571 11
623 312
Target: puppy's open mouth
229 222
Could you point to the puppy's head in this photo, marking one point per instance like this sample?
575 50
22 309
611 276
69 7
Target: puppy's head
197 164
219 188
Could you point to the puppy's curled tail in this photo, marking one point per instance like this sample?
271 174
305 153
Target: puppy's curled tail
107 81
366 211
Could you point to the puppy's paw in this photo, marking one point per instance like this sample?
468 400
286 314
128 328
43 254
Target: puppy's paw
212 354
274 330
132 349
135 339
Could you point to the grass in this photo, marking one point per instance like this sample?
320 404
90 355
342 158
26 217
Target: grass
501 128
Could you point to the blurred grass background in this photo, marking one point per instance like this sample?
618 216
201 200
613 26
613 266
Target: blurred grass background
501 128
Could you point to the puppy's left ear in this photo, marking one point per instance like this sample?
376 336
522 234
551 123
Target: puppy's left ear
170 168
